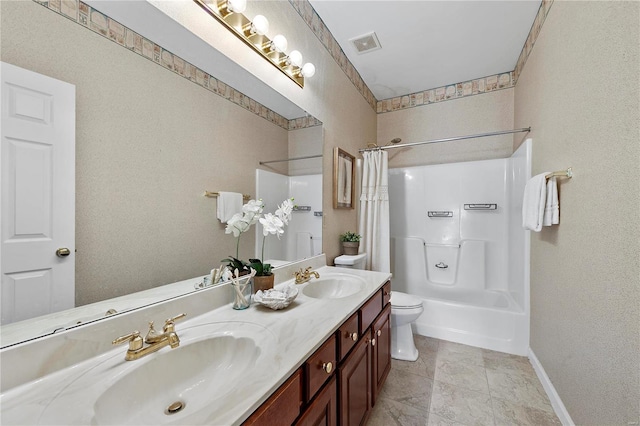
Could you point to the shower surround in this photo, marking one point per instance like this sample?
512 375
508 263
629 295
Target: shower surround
469 264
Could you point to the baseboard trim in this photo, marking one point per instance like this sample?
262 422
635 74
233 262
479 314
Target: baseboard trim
556 402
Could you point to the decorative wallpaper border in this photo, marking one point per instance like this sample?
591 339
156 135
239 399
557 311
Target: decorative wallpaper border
101 24
543 11
445 93
318 27
452 91
471 87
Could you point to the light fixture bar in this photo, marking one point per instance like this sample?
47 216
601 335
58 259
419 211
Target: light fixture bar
237 23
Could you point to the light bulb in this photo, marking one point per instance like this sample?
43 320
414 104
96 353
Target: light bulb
280 43
237 6
308 70
260 25
296 58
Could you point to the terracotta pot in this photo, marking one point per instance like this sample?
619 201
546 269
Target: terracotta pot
350 248
263 282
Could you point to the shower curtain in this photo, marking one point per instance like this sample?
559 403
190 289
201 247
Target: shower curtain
374 211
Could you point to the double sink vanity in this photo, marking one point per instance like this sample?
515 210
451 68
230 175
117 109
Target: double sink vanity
320 360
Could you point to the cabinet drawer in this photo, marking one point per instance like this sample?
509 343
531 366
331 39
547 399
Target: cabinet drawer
386 293
283 407
370 311
319 367
348 335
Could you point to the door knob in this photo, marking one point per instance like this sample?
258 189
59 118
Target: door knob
63 252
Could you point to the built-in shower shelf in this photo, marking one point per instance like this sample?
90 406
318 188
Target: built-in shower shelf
480 206
440 213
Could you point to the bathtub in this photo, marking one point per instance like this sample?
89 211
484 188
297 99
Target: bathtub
467 312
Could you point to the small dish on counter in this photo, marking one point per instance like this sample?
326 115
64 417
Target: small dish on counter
276 298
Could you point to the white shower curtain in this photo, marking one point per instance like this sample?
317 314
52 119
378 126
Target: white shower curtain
374 211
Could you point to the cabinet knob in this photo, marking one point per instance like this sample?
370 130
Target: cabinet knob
327 367
373 342
379 333
354 336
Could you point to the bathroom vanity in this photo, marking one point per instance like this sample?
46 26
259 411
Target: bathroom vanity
324 357
340 380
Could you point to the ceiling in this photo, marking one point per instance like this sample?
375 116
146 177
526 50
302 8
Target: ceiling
425 44
428 44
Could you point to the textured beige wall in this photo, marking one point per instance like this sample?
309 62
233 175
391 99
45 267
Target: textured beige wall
579 92
465 116
304 143
148 144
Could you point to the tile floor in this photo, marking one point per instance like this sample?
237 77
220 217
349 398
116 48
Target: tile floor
454 384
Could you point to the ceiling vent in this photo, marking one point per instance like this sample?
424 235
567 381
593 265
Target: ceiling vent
366 43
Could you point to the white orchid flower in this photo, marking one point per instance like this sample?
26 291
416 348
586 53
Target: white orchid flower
236 225
253 206
284 210
272 224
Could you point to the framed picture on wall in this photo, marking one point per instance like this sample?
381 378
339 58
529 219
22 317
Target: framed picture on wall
344 178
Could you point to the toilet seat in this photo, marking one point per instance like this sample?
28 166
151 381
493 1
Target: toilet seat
401 300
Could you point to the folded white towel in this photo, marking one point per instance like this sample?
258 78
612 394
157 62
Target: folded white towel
229 203
552 207
535 194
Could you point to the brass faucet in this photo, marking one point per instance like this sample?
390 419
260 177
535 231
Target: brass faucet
302 276
155 340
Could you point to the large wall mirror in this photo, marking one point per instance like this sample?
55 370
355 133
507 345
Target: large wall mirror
150 140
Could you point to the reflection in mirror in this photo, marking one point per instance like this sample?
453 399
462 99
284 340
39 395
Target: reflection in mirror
303 183
155 129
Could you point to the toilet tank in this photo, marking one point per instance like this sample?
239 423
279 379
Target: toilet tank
356 261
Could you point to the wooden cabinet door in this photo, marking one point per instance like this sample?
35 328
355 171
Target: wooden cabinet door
381 360
282 407
354 385
323 411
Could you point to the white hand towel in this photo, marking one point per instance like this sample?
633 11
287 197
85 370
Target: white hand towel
535 195
552 207
229 203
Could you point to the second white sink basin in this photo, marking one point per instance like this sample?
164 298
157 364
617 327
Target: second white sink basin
334 286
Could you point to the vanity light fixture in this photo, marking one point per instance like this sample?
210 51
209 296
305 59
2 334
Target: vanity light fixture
253 33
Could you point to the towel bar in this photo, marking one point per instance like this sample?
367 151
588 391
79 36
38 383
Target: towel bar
561 173
210 194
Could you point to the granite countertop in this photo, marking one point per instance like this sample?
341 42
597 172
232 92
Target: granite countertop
290 336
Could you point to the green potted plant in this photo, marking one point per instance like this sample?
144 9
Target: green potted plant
350 242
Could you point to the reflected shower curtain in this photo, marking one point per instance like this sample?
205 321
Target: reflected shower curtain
374 211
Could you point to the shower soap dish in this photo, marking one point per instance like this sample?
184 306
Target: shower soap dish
276 299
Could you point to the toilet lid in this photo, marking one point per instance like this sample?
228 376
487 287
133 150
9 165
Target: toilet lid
401 300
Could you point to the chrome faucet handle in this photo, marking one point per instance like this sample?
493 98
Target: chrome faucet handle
169 324
134 339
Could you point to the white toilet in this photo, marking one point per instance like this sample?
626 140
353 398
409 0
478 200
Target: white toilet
405 309
355 261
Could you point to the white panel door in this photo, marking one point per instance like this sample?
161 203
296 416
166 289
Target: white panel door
37 175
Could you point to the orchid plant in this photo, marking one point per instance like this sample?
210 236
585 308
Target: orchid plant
239 224
272 224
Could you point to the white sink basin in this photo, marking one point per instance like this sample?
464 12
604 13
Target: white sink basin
200 378
334 286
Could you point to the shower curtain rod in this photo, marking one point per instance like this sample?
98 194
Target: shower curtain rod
456 138
290 159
